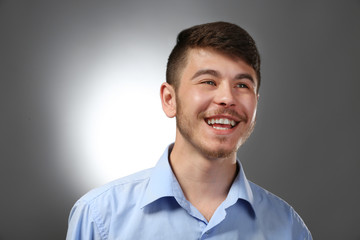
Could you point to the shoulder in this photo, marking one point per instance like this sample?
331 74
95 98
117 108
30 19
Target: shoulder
93 213
271 208
263 197
121 188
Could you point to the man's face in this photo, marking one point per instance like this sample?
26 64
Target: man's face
216 103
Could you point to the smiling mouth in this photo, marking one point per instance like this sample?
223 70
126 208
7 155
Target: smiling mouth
221 123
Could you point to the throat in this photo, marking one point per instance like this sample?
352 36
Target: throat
207 207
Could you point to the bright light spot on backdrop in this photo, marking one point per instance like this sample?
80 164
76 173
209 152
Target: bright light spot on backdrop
111 120
124 129
120 128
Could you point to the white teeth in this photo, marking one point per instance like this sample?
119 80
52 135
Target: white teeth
221 121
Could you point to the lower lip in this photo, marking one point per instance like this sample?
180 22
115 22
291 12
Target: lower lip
222 131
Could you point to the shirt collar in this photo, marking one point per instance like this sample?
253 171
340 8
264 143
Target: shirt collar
161 179
161 184
240 189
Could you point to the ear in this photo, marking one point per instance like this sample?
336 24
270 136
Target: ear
168 102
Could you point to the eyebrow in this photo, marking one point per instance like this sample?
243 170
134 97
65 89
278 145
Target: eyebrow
246 76
217 74
206 72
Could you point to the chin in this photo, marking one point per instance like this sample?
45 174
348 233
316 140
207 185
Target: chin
218 153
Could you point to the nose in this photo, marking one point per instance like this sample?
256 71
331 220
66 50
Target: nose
225 96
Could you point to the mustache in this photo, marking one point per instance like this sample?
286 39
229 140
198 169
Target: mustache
224 111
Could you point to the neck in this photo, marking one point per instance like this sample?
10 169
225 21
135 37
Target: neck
204 181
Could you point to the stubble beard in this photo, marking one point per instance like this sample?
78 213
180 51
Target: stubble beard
183 124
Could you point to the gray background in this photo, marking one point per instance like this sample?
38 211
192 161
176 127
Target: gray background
305 145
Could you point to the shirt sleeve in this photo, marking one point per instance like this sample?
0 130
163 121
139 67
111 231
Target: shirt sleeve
81 224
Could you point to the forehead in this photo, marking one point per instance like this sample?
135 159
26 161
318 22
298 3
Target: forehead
207 58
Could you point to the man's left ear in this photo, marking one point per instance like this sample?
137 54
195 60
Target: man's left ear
168 100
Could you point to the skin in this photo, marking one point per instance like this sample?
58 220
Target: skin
212 86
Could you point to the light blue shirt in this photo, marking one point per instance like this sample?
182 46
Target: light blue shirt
151 205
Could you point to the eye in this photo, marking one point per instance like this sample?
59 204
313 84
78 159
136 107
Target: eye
241 85
209 82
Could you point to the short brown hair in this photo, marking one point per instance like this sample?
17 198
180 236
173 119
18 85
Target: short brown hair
224 37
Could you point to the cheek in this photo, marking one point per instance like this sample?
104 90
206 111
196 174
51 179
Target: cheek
250 105
198 99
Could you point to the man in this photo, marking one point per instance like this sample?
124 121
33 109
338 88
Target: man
198 189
